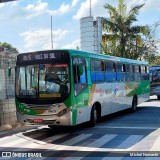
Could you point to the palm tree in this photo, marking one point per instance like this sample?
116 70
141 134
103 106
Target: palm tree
120 25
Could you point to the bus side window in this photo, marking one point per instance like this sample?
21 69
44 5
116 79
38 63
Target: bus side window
137 75
110 73
79 74
143 74
97 71
120 72
129 73
147 73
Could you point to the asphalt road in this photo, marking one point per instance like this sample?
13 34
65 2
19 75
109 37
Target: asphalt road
122 135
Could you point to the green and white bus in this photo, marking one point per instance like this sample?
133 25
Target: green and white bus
70 87
155 81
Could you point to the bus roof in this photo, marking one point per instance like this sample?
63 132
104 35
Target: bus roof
102 56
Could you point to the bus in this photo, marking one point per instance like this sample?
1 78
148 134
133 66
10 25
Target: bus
70 87
155 81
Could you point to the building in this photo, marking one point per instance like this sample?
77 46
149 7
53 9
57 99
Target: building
91 34
7 85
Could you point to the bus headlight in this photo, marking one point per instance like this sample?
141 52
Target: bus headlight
62 112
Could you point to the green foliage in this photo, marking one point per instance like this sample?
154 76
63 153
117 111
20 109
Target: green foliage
155 61
124 40
8 47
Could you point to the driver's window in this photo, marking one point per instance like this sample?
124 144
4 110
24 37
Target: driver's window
34 73
79 74
22 78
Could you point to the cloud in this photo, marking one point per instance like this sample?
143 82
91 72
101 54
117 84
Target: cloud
2 5
9 4
97 9
37 9
149 4
41 38
74 3
40 8
14 3
72 45
64 8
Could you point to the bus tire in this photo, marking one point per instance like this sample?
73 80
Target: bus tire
134 104
158 97
93 117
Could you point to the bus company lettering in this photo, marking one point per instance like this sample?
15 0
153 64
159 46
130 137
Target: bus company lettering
99 91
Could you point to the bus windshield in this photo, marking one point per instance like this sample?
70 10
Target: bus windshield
155 74
155 81
42 81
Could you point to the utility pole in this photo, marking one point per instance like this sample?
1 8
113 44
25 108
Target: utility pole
51 34
90 9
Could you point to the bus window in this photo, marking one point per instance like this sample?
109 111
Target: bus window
110 74
137 75
144 75
129 73
97 71
79 74
120 72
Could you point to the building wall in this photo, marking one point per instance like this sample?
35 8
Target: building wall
7 94
91 34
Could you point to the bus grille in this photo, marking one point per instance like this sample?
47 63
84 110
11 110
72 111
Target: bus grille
36 106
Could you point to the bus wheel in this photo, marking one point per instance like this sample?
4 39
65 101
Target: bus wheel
94 117
158 97
134 104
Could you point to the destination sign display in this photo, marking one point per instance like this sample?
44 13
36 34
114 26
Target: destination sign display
42 56
33 56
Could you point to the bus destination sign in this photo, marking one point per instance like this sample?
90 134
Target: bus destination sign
41 56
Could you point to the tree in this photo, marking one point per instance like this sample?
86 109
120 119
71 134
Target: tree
8 47
156 61
125 36
152 43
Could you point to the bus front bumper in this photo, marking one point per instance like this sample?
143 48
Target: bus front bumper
65 120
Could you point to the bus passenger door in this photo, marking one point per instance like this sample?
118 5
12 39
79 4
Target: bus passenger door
80 89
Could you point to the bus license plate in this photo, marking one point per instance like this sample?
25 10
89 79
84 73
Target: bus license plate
38 120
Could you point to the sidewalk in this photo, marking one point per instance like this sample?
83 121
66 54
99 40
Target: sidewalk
6 127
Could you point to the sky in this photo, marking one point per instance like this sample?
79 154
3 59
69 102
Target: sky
26 24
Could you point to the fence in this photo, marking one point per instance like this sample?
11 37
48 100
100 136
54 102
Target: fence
7 94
